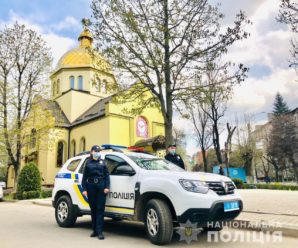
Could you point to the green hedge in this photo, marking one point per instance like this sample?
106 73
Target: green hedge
29 182
274 186
30 194
238 182
45 193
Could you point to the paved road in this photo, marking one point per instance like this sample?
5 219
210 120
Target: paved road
26 225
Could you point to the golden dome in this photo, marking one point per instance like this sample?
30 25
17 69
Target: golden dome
82 56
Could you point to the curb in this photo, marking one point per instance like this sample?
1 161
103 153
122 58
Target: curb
42 203
263 226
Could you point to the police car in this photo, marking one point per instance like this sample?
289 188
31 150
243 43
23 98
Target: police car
149 189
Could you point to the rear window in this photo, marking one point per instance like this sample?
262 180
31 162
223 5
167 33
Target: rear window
73 165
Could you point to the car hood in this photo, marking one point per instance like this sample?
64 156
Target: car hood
202 176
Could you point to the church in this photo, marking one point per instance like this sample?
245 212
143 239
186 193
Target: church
80 113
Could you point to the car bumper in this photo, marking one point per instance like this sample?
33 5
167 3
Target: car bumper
202 216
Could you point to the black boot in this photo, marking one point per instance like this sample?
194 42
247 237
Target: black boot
93 234
100 236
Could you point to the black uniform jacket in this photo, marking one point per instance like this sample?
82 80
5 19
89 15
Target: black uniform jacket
175 159
96 169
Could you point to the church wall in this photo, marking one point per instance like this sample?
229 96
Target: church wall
10 178
48 158
153 117
94 132
64 75
120 130
75 103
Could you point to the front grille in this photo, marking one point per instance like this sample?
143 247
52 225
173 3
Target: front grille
219 188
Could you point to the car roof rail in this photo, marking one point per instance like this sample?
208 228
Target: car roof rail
114 148
149 153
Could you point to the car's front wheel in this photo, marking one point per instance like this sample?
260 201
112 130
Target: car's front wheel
64 212
158 222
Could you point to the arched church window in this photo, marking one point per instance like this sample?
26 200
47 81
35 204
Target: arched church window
82 144
54 88
58 87
97 84
80 82
72 82
73 148
104 86
60 153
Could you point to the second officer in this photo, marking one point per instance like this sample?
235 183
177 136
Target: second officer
96 185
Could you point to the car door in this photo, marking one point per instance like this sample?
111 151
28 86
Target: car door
121 198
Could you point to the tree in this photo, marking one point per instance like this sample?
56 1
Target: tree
211 158
246 143
201 125
220 82
24 62
279 105
30 180
160 44
284 141
228 146
288 14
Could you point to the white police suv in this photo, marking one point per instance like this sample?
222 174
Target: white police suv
149 189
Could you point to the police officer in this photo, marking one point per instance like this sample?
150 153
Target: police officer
96 185
173 157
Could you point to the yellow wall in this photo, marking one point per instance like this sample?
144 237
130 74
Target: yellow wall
117 113
49 158
75 103
94 132
89 75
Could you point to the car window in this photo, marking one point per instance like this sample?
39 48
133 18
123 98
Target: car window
113 162
73 165
155 163
81 170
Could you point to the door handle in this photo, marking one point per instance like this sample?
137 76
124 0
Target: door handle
76 180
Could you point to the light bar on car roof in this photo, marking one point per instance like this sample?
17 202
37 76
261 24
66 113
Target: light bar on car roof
133 148
110 146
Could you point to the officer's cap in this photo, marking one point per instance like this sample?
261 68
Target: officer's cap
95 148
171 145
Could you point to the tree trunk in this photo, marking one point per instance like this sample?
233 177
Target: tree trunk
216 142
205 162
167 73
276 174
168 132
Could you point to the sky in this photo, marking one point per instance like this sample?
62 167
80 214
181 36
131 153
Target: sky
265 52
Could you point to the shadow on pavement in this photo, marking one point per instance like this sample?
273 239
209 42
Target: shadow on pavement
134 230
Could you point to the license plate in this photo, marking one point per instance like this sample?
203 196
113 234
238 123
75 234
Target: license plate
231 206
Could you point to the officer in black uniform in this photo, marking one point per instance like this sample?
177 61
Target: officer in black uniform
96 185
173 157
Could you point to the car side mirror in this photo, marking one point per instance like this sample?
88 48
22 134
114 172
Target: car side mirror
124 170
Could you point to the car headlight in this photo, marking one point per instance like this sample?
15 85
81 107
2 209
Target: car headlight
194 186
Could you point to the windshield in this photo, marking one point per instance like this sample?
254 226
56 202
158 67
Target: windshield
155 164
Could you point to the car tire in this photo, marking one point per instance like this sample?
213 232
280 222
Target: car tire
64 212
158 222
